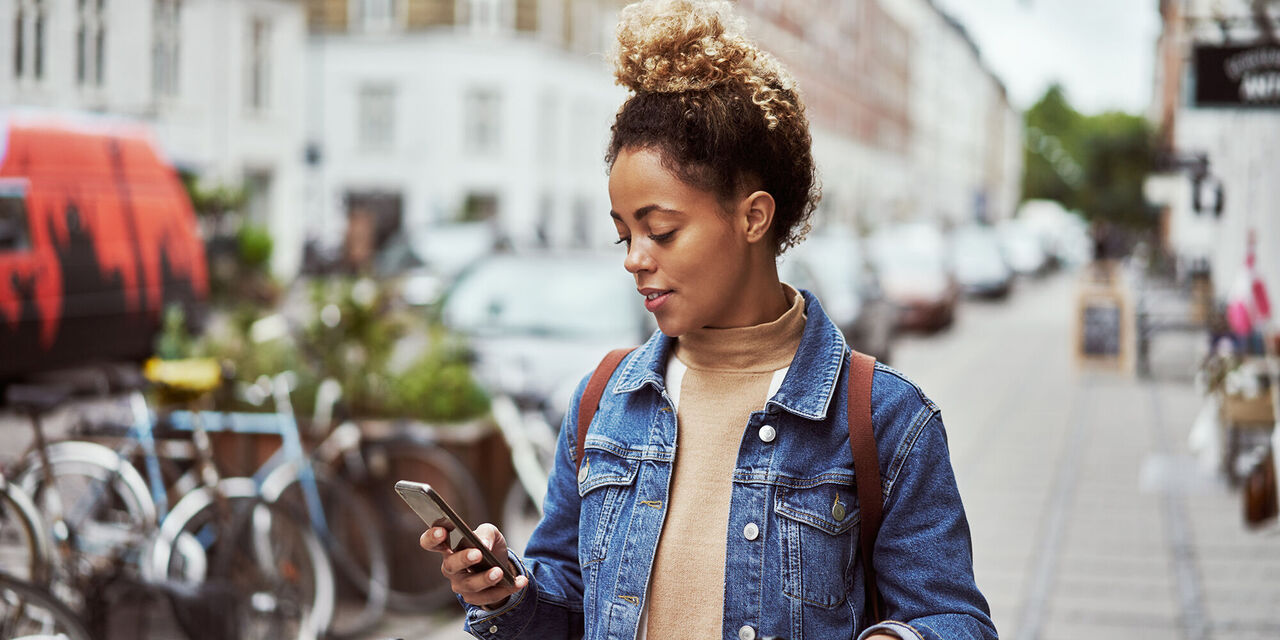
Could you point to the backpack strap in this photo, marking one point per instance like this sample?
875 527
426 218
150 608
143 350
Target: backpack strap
590 400
866 469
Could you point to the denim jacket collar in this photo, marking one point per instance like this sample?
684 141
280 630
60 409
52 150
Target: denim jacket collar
808 387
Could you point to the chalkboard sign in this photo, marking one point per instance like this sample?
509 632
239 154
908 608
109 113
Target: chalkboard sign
1104 322
1102 325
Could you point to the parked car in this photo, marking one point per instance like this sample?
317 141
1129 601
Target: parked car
981 269
538 322
917 274
97 238
421 265
1023 249
835 267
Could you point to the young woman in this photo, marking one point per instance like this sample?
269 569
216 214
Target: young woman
716 496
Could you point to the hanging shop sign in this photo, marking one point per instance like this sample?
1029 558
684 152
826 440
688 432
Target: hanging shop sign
1237 76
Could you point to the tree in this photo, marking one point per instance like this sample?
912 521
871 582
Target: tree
1093 163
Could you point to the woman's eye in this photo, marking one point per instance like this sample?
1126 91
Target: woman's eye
626 241
662 237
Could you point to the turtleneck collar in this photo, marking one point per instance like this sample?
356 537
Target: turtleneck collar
763 347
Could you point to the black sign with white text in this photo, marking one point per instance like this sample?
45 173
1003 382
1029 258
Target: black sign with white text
1237 76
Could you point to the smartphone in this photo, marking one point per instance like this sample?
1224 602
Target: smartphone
435 512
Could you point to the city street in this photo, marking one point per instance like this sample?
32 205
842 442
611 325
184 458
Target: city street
1090 517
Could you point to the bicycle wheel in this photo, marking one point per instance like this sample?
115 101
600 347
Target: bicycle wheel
105 510
269 560
28 612
24 543
351 538
416 582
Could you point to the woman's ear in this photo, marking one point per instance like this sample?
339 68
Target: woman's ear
757 215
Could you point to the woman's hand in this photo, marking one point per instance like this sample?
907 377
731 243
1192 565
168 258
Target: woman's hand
481 589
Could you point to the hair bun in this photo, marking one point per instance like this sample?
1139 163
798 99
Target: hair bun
671 46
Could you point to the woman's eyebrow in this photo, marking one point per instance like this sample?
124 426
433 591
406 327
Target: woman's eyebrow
646 210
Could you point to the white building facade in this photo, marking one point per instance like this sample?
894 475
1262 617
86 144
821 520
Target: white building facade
967 146
219 81
1239 140
432 111
469 119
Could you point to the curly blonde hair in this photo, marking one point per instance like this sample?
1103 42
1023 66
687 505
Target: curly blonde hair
722 113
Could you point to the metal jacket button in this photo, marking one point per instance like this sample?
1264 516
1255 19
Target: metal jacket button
751 531
493 629
582 473
837 510
768 433
746 633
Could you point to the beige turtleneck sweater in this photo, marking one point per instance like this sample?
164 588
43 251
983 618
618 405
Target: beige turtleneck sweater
721 377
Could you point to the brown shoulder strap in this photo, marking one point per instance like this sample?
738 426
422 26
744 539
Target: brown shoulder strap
591 396
866 469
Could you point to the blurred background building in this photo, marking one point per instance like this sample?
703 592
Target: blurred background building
431 111
1217 84
408 113
220 81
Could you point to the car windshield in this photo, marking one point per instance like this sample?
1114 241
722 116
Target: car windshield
977 249
544 297
905 257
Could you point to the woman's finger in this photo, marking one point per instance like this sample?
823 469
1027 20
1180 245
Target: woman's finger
433 539
460 561
479 582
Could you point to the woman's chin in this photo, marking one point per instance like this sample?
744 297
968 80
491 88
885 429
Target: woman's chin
670 327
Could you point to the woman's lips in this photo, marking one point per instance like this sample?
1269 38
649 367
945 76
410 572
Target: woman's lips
653 303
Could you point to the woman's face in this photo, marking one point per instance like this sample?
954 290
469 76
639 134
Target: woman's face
688 255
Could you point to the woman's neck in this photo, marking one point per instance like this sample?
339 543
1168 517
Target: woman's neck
763 298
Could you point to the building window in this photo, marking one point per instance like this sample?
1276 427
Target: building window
90 43
258 185
489 16
483 113
29 26
258 74
14 234
164 48
377 110
38 58
376 15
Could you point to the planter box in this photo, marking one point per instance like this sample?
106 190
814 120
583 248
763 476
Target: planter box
1239 410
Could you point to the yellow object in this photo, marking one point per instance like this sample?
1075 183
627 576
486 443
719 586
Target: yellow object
193 375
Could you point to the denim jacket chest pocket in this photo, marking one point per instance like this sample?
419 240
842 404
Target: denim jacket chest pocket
818 529
605 480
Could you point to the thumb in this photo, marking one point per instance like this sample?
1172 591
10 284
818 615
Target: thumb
491 537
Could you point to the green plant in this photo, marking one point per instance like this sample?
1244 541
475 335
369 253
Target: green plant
438 386
174 341
255 245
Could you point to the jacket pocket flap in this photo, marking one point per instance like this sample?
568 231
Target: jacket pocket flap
831 508
604 467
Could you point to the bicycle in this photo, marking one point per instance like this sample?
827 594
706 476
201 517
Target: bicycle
341 519
220 538
29 612
371 466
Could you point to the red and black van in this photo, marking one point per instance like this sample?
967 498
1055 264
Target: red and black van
97 238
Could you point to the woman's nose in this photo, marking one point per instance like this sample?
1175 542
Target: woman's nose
637 259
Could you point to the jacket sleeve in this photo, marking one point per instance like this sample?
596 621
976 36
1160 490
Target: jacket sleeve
550 607
924 551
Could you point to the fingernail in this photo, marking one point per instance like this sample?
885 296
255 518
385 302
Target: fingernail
473 555
437 534
495 573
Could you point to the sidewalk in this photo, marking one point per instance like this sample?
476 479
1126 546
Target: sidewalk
1090 518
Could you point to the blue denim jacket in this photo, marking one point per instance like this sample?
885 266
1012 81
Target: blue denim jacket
800 575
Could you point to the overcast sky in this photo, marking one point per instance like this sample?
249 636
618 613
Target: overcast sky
1102 51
